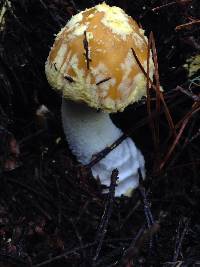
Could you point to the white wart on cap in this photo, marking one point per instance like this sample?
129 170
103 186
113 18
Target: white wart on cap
91 60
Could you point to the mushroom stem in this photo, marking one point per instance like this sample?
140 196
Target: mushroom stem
88 132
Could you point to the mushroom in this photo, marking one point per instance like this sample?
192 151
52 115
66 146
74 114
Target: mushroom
91 63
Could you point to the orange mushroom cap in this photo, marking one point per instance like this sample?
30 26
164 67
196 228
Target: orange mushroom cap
91 60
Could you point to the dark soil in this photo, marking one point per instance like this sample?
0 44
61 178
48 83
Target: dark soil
52 212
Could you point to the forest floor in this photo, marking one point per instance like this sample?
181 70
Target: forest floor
52 211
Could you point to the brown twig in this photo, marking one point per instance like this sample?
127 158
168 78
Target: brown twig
54 64
158 98
181 2
65 254
86 47
188 93
151 122
104 80
179 240
158 8
69 78
182 125
166 110
105 151
31 189
195 136
135 247
195 108
106 215
147 210
148 89
187 25
173 145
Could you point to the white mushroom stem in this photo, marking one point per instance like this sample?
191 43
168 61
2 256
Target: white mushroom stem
88 132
